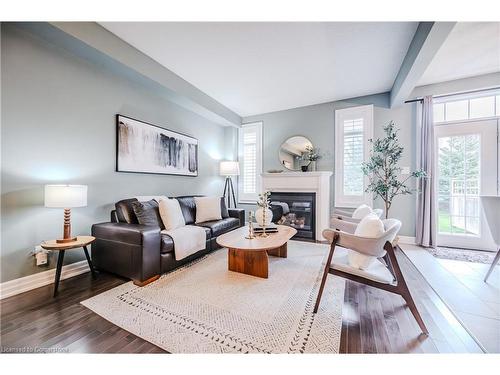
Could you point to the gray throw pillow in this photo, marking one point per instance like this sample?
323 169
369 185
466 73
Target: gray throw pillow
223 209
148 213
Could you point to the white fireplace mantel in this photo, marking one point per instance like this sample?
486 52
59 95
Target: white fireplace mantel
304 182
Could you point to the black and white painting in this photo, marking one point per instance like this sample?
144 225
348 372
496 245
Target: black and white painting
146 148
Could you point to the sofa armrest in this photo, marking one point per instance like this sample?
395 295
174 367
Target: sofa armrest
134 234
129 250
237 213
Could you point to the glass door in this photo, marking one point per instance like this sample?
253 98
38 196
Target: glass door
466 168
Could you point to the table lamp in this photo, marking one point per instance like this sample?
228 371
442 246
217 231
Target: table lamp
67 197
228 169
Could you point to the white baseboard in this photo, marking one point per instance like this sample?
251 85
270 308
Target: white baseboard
23 284
407 240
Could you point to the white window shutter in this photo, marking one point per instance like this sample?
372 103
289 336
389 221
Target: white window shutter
353 128
250 158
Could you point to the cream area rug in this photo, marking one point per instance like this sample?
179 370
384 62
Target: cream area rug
204 308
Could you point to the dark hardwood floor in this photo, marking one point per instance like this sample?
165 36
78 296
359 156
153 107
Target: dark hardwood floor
374 321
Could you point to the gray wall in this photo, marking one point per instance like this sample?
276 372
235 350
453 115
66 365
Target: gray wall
317 123
58 126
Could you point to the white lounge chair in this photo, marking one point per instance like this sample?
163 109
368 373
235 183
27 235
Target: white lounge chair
383 272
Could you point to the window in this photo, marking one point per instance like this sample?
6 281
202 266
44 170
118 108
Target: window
353 128
482 107
456 110
438 112
250 158
463 107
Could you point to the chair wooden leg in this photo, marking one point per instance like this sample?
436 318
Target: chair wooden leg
402 287
325 272
493 264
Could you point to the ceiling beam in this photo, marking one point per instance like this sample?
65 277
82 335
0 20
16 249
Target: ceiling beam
94 43
427 40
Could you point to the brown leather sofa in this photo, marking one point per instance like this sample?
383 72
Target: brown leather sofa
141 252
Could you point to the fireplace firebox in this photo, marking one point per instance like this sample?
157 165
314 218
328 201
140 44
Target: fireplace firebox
297 210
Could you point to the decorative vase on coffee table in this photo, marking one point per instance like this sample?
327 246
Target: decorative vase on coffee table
259 216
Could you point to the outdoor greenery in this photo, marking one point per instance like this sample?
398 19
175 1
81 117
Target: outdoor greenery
458 184
383 170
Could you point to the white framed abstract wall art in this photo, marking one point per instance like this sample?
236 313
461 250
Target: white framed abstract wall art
142 147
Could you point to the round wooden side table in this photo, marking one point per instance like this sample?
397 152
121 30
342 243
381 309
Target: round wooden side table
81 241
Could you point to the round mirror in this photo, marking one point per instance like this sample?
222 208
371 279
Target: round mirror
292 152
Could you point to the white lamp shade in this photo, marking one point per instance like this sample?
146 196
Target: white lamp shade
229 168
65 196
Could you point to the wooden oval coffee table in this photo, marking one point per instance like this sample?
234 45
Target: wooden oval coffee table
251 256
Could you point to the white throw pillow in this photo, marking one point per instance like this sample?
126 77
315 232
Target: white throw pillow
361 212
207 209
171 214
370 226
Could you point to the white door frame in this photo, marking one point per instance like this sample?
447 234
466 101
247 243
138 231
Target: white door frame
489 167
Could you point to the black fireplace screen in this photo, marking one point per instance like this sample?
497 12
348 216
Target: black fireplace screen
297 210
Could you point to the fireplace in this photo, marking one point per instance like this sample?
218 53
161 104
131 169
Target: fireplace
298 183
295 209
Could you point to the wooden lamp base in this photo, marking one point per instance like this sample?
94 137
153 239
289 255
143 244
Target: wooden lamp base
66 240
67 228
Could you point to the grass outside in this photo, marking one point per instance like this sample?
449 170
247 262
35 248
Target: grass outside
444 224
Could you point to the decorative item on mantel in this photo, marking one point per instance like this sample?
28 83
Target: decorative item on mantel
264 215
311 155
67 197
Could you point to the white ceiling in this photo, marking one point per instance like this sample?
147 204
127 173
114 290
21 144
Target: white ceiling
255 68
471 49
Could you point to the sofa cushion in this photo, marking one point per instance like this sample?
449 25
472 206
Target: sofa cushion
207 209
167 244
223 208
371 227
171 214
125 212
147 213
361 212
145 198
188 207
219 227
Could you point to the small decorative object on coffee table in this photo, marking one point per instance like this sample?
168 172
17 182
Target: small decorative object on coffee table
251 256
81 241
250 235
263 234
264 215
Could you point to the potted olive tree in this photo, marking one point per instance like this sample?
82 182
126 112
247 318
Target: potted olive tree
383 170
